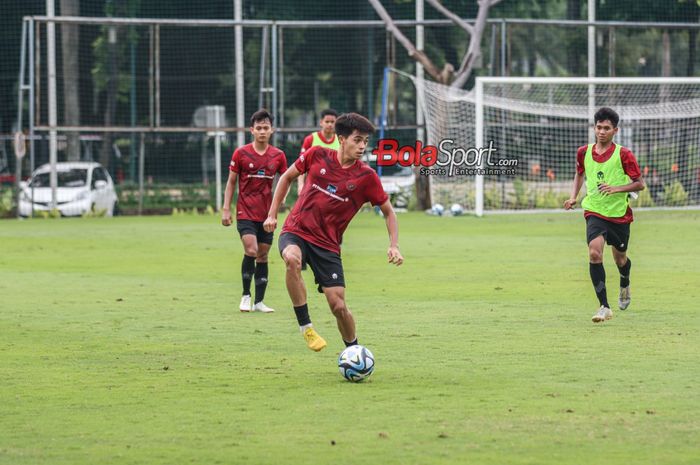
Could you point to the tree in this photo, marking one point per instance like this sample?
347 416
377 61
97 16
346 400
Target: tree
446 75
70 46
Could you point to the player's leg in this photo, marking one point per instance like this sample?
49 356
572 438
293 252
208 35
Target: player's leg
291 248
330 277
250 251
261 270
346 323
596 232
624 264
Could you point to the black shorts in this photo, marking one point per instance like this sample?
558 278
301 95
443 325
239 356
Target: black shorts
615 234
256 229
326 265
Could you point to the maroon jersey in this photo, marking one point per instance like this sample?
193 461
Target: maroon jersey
255 175
629 165
331 197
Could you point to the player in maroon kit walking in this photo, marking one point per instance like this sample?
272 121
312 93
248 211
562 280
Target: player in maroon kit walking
337 185
254 167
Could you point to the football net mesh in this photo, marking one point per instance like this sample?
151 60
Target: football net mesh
541 123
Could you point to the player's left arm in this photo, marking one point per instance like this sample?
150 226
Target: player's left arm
631 168
392 227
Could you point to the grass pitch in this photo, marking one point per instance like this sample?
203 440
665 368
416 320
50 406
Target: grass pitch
121 342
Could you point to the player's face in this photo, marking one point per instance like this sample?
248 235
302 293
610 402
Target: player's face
355 144
328 124
605 131
261 131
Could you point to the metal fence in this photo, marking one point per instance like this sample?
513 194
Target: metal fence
154 100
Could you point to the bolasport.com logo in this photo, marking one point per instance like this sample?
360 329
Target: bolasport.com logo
445 159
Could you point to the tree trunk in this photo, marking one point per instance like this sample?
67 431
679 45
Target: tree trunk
666 63
424 200
70 48
692 39
111 100
573 12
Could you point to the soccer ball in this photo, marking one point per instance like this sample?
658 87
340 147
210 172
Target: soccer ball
456 209
437 209
356 363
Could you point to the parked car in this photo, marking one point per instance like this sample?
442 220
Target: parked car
82 187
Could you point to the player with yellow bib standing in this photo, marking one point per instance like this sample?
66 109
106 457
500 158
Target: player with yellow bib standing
611 173
324 138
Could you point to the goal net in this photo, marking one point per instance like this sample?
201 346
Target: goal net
535 126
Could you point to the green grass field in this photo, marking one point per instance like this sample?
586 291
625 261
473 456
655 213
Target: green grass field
121 342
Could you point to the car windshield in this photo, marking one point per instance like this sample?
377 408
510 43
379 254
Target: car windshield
75 177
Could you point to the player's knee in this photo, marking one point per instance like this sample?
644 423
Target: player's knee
293 263
262 257
338 307
595 256
251 250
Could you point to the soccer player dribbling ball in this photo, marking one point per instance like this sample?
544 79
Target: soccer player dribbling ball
254 166
337 184
610 172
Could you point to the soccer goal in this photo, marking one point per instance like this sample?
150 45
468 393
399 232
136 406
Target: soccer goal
535 126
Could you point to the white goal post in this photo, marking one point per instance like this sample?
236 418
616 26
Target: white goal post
540 122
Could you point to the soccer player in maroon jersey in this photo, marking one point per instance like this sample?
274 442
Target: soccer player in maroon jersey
254 166
337 185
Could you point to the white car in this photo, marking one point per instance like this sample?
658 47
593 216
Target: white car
82 187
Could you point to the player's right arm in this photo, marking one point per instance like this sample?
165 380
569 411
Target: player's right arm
578 179
281 191
226 219
571 201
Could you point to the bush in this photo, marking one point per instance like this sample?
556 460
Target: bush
166 197
6 203
549 199
675 195
644 200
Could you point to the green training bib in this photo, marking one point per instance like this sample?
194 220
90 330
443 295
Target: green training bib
611 173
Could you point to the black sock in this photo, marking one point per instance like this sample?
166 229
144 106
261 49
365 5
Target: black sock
625 273
260 281
302 312
348 344
598 279
247 271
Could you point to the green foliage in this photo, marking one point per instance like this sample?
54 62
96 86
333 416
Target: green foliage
643 200
549 199
522 199
675 195
6 202
48 214
493 198
163 198
95 213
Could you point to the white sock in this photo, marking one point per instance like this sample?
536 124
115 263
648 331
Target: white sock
303 328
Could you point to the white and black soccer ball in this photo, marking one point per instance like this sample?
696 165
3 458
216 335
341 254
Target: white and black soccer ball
437 209
456 209
356 363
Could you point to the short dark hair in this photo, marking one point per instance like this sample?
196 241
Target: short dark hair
349 122
261 115
606 113
329 111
